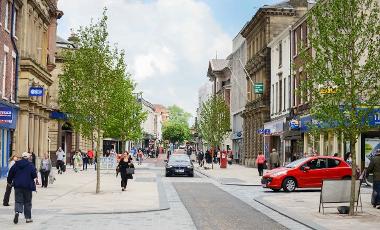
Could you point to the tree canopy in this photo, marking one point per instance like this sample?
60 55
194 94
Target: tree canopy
175 132
341 74
178 115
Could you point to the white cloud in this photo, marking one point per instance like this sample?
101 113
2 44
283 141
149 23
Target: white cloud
168 42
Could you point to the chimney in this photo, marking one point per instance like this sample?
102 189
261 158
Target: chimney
299 3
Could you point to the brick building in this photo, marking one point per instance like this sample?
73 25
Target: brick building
9 25
268 22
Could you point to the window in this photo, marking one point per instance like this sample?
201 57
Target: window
307 36
13 79
277 104
4 75
332 163
295 43
14 23
273 100
289 91
316 164
6 18
284 96
280 54
301 33
280 94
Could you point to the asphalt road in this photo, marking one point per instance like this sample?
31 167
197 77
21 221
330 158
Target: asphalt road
212 208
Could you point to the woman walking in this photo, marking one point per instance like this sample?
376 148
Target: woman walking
124 167
77 161
140 155
45 168
260 162
8 189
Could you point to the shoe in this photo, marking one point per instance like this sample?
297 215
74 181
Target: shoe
123 189
29 221
15 220
6 205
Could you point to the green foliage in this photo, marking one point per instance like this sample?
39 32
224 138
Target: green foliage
175 132
214 122
344 35
178 115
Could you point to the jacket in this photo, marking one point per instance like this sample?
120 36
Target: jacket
49 165
274 158
374 167
123 168
260 159
22 175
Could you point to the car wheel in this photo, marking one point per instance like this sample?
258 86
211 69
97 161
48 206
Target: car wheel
289 184
167 175
275 189
346 178
191 175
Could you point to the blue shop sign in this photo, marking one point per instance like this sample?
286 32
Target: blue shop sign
58 115
5 114
294 124
264 131
36 92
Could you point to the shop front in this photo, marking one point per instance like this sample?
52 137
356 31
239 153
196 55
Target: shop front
237 146
293 140
273 135
8 118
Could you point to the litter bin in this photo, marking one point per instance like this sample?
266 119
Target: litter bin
223 160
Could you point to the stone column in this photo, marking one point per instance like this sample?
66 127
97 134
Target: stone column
41 137
335 144
46 135
322 144
36 135
31 133
23 133
305 142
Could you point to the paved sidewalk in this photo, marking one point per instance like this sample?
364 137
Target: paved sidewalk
232 175
74 194
303 206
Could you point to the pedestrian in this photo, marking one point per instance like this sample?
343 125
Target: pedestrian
274 159
8 189
33 156
218 157
22 176
84 160
45 168
140 156
60 160
349 159
77 161
90 155
374 167
124 167
336 155
201 158
260 162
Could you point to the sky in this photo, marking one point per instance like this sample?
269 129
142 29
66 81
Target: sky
168 43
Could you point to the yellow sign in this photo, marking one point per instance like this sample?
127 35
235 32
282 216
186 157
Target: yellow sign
327 90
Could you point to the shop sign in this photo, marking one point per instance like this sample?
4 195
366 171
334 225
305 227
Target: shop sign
36 92
5 114
294 124
259 88
264 131
327 90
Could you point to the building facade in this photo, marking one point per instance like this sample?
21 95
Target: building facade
237 61
280 94
267 23
9 32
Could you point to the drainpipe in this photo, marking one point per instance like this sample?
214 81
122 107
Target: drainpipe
16 50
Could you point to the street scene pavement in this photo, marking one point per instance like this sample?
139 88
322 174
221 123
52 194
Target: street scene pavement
153 201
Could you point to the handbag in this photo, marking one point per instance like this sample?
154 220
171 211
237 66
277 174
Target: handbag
130 170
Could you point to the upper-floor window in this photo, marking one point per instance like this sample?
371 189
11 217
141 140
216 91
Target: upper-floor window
280 54
280 99
14 23
295 42
6 16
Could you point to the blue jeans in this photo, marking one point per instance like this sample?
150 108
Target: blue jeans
23 202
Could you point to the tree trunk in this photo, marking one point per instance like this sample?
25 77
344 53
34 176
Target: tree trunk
353 177
98 162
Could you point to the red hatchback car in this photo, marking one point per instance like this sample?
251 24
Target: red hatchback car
306 173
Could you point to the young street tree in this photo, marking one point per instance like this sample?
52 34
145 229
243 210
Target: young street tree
214 123
343 72
86 89
178 115
175 132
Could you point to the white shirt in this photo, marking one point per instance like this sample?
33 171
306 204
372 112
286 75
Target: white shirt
60 155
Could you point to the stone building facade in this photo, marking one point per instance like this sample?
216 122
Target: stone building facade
37 46
268 22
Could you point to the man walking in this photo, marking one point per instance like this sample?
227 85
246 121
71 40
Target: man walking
22 175
60 160
374 167
274 159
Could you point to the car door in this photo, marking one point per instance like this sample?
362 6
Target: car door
313 177
333 171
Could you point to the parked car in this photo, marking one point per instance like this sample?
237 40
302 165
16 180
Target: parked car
179 164
306 173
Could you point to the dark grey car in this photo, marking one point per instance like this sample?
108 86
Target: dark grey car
179 164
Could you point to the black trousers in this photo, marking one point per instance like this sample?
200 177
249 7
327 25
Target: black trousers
85 163
7 194
23 202
45 178
260 168
124 181
60 165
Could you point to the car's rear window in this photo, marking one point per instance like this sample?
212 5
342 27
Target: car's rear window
332 163
179 158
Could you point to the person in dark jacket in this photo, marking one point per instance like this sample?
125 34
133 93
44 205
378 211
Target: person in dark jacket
22 176
374 167
124 164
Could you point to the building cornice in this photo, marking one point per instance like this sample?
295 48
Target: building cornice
28 65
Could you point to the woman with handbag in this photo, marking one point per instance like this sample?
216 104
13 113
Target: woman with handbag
45 168
8 190
126 169
260 162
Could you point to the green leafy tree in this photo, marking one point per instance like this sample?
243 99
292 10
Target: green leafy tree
178 115
175 132
343 71
86 87
214 122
